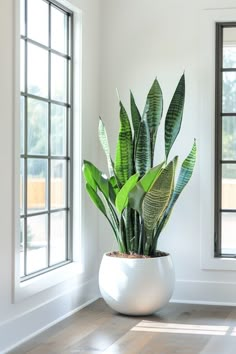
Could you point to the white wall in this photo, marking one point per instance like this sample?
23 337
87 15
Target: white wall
24 318
147 38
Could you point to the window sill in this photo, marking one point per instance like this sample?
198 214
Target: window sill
219 264
45 281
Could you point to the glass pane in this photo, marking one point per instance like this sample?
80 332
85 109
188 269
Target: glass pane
22 247
22 65
58 130
229 186
36 243
58 79
22 17
37 185
38 21
228 236
229 47
37 71
22 186
22 126
59 30
37 127
229 138
58 184
229 92
58 238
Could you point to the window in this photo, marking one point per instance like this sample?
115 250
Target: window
46 139
225 183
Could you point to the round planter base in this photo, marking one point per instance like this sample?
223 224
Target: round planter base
136 286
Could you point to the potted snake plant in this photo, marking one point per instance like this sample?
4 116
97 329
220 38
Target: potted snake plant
137 199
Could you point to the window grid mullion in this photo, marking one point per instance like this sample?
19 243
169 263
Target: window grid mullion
218 140
25 142
49 135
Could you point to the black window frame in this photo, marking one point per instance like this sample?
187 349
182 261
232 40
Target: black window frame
68 157
219 161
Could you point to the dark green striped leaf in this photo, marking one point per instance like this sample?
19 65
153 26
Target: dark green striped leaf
174 116
135 115
153 112
124 149
143 149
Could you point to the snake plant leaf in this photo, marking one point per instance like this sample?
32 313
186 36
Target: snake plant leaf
135 115
124 149
88 175
143 149
122 196
95 178
96 199
153 112
102 134
174 116
137 194
157 198
184 176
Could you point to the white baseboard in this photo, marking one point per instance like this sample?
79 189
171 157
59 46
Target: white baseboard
205 292
18 330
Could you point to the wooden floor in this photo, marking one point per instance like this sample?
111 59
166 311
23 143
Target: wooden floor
179 328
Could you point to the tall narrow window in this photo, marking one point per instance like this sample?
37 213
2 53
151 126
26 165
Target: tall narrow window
45 130
225 185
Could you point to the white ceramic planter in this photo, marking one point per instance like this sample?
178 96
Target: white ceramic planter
136 286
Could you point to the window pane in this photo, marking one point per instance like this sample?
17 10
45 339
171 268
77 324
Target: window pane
22 252
229 138
21 186
229 186
228 229
229 47
37 127
37 185
59 30
22 65
58 79
37 71
36 243
58 130
229 92
58 184
22 126
38 21
58 237
22 17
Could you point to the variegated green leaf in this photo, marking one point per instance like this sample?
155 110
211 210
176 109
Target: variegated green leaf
153 112
157 198
174 116
137 194
184 176
124 149
143 149
102 134
122 196
135 115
